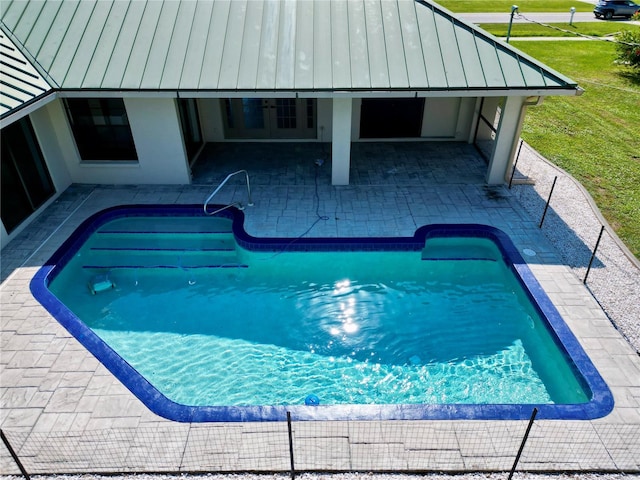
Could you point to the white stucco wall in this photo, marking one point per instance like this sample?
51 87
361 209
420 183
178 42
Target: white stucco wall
210 110
507 136
447 118
157 133
47 124
440 118
467 119
341 141
158 138
324 112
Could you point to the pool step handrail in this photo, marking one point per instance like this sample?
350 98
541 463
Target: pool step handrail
235 204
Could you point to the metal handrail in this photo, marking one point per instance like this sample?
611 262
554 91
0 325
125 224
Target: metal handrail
238 204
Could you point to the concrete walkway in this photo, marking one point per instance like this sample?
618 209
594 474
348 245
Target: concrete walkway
64 412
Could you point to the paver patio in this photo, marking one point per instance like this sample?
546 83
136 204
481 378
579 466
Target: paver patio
65 412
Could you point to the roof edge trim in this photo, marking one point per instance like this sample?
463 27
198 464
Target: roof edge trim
15 114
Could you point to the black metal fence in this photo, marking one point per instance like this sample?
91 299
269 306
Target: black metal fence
340 446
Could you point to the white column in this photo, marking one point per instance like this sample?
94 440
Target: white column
341 141
155 124
506 140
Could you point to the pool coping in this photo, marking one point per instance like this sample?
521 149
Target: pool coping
601 402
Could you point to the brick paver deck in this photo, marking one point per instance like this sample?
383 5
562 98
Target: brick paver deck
64 412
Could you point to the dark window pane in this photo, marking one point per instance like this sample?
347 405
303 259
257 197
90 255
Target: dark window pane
391 117
310 113
15 203
229 111
26 183
252 113
101 128
286 112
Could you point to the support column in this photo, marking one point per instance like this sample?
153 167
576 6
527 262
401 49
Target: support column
341 141
506 140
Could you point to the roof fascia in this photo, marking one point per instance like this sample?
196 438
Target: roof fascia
352 93
27 108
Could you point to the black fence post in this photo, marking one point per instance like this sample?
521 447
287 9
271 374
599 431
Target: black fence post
293 470
593 255
5 440
524 441
546 207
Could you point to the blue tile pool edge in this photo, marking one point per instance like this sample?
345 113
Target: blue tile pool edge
600 404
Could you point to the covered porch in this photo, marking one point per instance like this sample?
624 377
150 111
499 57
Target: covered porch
395 187
343 126
372 163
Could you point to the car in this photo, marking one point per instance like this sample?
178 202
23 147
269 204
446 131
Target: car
608 9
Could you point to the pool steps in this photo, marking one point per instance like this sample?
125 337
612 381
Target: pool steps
439 250
182 246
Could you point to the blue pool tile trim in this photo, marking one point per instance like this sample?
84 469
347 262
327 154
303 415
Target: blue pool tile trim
168 267
126 249
454 259
601 402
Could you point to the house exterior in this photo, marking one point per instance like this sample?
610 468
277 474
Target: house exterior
129 91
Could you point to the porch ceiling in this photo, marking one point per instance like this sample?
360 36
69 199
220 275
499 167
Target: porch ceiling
274 46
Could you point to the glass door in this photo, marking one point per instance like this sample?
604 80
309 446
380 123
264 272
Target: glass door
26 183
286 118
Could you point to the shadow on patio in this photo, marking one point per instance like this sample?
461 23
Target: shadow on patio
372 163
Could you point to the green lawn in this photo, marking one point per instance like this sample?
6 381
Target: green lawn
595 137
592 29
482 6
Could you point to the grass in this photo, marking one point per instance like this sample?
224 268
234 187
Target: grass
483 6
595 137
592 29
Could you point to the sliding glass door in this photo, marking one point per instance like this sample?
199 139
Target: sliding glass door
26 183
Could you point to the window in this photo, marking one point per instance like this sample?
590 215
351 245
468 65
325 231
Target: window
101 128
26 183
286 112
391 117
311 113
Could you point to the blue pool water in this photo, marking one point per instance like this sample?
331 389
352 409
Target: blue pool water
222 324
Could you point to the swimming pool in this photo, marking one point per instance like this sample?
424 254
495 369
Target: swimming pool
204 322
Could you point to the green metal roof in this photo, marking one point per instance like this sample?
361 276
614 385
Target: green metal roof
269 45
20 82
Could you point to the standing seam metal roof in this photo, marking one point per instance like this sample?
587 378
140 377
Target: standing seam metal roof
267 45
20 82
